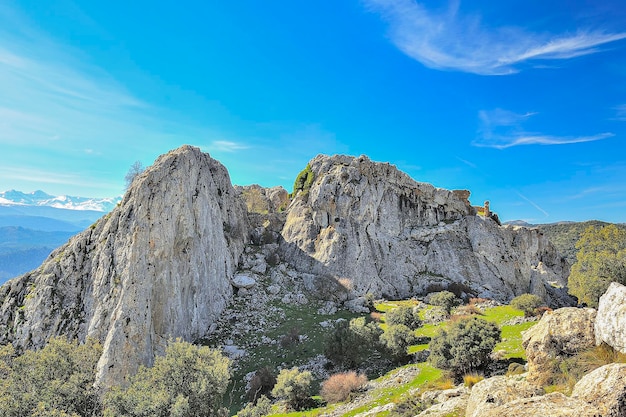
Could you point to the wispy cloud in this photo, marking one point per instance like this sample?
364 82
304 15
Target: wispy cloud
503 129
448 40
532 203
620 113
466 162
226 146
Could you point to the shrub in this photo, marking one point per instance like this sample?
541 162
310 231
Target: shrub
262 407
291 338
303 181
261 384
405 315
465 347
528 303
339 387
189 379
471 379
515 369
293 386
444 299
396 339
351 343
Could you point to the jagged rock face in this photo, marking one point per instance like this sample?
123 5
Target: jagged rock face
157 267
496 391
550 405
611 319
376 230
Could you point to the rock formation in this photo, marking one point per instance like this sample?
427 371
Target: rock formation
605 389
610 323
164 263
558 335
378 231
157 267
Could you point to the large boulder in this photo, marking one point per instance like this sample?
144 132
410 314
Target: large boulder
498 390
559 334
550 405
158 267
605 389
378 231
610 324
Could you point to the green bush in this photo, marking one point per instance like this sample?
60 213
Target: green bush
405 315
445 299
188 381
351 343
465 346
303 181
294 387
396 340
56 380
601 259
528 303
262 408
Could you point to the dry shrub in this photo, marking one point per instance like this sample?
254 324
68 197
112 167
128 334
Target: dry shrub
261 383
442 383
540 310
460 317
477 300
291 338
468 310
471 379
376 316
339 387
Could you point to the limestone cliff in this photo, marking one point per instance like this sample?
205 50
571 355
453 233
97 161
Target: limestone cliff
157 267
376 230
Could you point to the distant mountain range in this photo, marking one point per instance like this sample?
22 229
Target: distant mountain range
33 224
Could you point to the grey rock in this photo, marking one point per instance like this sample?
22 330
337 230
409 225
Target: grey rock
243 281
610 325
157 267
378 231
498 390
604 389
559 334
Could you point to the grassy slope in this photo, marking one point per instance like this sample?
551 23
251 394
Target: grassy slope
511 343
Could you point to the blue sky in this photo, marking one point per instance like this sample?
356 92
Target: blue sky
521 102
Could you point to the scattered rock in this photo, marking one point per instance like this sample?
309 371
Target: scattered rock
356 305
273 289
243 281
610 324
559 334
604 389
328 308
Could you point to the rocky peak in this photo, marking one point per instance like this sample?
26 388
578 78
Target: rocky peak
377 230
157 267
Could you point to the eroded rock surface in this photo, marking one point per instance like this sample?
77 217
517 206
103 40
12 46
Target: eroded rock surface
157 267
499 390
550 405
610 324
605 389
379 231
559 334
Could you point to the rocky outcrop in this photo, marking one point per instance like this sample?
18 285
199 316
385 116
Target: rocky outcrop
550 405
157 267
604 389
378 231
498 390
610 324
559 334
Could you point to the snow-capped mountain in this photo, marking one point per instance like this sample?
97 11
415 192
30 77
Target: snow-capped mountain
41 199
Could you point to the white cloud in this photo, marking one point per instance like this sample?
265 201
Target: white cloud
620 113
503 129
450 41
226 146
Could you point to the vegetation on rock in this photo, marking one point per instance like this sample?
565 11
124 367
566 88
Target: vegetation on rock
528 303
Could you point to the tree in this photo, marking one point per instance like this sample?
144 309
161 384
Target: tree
465 347
135 169
404 315
351 343
601 259
528 303
294 387
396 339
54 381
187 381
445 299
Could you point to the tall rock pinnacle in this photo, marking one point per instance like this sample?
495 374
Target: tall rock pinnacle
157 267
